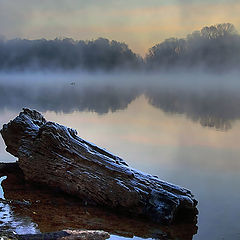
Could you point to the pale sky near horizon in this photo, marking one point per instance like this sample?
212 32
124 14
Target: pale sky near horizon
139 23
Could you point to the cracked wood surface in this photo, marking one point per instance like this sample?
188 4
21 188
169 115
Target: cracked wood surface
53 155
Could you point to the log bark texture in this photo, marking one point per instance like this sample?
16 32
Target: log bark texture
53 155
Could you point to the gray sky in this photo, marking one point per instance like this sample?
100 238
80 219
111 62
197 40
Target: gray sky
139 23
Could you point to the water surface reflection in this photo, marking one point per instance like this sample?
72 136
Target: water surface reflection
163 130
210 106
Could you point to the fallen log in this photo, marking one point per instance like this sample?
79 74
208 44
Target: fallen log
53 155
54 210
7 168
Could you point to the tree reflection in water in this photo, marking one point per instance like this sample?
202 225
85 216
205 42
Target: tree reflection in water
217 108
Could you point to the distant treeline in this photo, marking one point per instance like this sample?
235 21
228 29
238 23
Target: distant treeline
215 47
66 54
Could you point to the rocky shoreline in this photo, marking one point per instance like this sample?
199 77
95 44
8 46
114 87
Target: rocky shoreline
60 235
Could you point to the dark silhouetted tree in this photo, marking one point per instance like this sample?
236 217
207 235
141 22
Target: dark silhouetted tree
100 54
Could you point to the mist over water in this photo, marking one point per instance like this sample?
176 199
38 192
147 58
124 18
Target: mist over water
210 99
173 112
182 126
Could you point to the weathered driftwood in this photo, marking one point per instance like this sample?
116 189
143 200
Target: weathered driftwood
53 210
54 155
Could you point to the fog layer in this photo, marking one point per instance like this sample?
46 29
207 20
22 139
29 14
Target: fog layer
215 48
209 99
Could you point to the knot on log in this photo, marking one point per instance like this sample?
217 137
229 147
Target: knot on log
53 155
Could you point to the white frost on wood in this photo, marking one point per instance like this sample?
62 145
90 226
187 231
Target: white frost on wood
54 155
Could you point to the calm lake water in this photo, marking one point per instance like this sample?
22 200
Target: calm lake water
187 134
